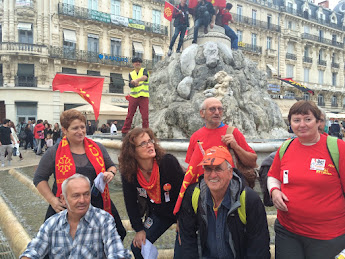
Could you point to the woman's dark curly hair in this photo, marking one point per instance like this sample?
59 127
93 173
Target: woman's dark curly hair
128 164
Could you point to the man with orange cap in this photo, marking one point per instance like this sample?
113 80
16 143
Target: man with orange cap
230 218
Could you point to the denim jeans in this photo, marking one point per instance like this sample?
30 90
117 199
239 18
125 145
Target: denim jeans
158 227
202 21
232 35
179 29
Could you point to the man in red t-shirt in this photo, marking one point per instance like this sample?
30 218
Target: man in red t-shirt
226 18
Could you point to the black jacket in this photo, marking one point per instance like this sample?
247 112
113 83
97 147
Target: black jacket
200 9
170 172
248 241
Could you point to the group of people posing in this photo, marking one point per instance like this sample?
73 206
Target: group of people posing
219 217
205 14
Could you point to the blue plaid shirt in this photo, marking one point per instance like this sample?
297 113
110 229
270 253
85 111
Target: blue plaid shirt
96 237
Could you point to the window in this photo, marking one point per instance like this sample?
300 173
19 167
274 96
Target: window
156 17
289 6
269 42
306 96
115 7
71 2
67 70
334 79
306 14
306 51
289 95
116 83
306 29
240 35
0 34
69 44
333 58
290 48
25 33
157 53
1 76
320 54
320 34
254 17
289 71
320 100
253 39
239 13
306 74
138 49
93 73
137 12
334 39
334 101
115 47
289 25
269 21
26 111
321 77
26 75
92 43
93 5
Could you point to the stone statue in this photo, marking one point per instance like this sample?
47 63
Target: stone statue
222 87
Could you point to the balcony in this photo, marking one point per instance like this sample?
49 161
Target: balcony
26 81
307 59
291 56
322 40
250 48
94 57
322 62
335 65
88 14
25 48
334 105
255 23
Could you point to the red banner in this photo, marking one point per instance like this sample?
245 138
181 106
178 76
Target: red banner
192 3
88 87
168 11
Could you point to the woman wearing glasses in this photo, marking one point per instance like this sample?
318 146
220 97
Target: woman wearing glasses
150 178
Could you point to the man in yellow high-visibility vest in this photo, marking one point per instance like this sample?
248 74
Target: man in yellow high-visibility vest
138 96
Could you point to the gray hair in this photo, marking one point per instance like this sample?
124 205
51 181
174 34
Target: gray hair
75 176
228 164
203 104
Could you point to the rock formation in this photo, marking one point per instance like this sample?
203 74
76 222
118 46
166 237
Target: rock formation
180 83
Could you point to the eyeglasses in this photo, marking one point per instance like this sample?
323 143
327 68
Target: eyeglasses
213 109
217 170
145 143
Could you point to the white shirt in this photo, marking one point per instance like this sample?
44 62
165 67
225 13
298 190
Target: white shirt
113 129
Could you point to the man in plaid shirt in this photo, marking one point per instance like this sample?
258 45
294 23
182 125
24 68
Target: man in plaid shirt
80 231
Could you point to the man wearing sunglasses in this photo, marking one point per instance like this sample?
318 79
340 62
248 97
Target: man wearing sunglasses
230 219
214 133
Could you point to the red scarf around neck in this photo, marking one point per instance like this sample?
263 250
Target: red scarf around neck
153 187
65 166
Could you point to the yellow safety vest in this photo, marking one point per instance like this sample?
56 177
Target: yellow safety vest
143 88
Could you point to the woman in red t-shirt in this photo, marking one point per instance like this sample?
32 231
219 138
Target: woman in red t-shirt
308 191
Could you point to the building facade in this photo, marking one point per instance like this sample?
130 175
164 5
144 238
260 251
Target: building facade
39 38
295 39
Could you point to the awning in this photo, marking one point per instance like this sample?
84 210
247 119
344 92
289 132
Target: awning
95 36
23 26
273 70
158 50
69 36
138 47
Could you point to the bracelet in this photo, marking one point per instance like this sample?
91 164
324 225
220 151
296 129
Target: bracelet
112 172
274 188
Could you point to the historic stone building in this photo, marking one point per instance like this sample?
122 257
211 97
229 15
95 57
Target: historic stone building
39 38
295 39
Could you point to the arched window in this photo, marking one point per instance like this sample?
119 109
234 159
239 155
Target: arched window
320 100
334 101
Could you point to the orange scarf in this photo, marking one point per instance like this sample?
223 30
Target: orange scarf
65 166
153 188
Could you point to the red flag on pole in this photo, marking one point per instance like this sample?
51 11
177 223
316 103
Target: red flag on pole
88 87
168 11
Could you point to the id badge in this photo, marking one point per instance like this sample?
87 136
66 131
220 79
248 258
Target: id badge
167 196
148 222
285 176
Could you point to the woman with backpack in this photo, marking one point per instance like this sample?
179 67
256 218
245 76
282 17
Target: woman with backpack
306 184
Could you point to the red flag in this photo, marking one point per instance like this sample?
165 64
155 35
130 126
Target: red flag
191 176
168 11
88 87
192 3
220 3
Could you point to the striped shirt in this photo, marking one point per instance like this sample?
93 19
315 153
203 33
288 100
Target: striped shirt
96 237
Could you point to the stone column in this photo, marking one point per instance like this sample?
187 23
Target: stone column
39 17
46 23
5 29
12 30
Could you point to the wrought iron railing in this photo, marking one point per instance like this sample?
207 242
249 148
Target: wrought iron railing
321 103
307 59
88 14
26 81
256 23
322 62
334 104
335 65
322 40
291 56
250 47
95 57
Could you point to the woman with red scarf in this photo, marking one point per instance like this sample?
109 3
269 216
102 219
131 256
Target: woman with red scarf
76 154
151 179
